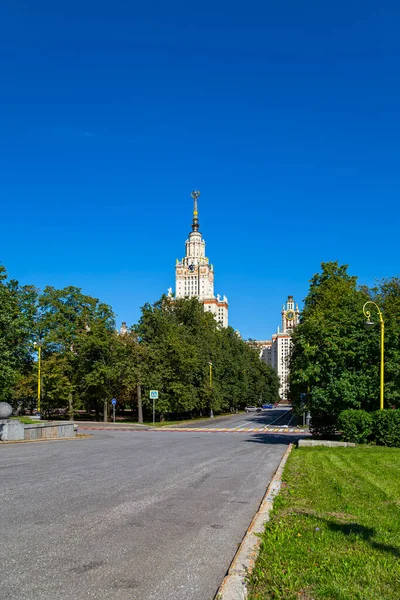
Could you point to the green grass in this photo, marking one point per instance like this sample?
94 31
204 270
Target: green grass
334 532
26 420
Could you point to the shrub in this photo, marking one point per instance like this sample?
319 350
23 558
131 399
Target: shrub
386 427
355 425
322 425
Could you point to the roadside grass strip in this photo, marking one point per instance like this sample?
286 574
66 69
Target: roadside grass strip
334 531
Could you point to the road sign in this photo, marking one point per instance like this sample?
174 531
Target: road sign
113 402
154 394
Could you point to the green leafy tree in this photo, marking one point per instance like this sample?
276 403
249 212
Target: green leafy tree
184 339
334 362
77 334
85 362
17 312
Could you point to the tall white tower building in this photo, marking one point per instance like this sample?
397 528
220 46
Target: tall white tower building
194 275
276 352
282 345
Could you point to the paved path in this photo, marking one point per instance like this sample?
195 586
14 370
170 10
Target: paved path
128 514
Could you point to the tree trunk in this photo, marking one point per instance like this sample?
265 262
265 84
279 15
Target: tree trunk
105 411
139 403
70 410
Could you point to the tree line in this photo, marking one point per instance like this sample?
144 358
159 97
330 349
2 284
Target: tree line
174 348
335 361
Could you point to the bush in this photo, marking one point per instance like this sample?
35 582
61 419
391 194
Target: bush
386 427
355 425
322 425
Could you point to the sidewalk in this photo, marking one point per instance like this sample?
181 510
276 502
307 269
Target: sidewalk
133 426
200 422
110 425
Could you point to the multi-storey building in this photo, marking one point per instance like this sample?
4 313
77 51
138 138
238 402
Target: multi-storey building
194 274
276 352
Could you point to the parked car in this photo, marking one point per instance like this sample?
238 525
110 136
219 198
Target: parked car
267 406
252 409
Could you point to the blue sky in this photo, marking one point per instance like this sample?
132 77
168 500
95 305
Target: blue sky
284 115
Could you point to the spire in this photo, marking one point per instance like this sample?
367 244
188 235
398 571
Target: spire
195 225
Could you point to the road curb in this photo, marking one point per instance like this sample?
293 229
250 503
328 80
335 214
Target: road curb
81 436
234 586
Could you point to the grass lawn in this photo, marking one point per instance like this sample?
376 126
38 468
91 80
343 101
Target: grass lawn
25 420
334 531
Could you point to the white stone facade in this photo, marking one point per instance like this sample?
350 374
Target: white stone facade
194 275
276 352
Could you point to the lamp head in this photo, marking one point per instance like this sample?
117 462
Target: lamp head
369 325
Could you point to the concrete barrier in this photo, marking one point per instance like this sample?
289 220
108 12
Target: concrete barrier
49 430
14 430
11 430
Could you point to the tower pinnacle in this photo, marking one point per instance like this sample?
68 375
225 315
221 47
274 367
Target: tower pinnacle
195 225
194 275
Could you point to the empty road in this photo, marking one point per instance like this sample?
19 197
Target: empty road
138 515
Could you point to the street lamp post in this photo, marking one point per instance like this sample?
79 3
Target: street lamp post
369 324
39 349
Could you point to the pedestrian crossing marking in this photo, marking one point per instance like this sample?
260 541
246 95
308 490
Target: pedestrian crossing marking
261 430
235 430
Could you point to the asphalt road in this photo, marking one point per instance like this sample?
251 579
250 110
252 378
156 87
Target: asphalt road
138 515
275 416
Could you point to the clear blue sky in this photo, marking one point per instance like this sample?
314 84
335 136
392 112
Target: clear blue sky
284 114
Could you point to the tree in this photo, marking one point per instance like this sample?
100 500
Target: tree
334 362
85 362
181 340
78 338
17 310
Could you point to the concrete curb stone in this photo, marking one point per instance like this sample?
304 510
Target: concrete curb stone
66 439
329 443
233 586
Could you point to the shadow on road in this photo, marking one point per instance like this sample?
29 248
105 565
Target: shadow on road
274 438
278 417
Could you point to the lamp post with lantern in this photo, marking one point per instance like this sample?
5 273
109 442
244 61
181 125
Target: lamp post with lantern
369 325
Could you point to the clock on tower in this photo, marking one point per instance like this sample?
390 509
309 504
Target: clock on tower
290 315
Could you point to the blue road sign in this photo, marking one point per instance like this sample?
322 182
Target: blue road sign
113 401
154 394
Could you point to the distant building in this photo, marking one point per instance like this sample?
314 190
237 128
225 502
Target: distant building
276 351
123 329
194 275
264 347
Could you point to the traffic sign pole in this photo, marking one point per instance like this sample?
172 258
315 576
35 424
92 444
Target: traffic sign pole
113 402
154 397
